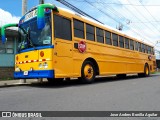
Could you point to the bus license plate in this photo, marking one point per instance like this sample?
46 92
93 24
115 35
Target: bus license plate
25 73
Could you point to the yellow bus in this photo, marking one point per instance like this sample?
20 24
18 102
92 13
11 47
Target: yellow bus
55 43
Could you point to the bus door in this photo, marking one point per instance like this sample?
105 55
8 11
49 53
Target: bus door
63 46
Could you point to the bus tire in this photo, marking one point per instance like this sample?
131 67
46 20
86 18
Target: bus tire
121 75
146 72
55 80
88 72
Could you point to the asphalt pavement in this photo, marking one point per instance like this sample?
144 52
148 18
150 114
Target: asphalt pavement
105 94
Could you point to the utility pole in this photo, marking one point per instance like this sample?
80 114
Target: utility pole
24 6
24 10
41 1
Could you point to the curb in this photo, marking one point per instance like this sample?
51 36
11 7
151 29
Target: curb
13 85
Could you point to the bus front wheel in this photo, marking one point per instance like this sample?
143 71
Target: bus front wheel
88 72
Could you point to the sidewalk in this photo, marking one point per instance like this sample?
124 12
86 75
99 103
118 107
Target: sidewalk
10 83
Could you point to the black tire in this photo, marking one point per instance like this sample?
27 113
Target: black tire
55 80
88 72
146 72
121 76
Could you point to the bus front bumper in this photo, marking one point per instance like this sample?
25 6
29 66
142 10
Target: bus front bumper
34 74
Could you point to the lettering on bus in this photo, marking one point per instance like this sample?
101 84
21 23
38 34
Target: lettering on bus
30 15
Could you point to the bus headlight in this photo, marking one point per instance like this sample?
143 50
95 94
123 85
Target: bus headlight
40 65
17 69
31 69
45 65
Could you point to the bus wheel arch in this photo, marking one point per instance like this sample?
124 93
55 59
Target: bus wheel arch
94 63
89 70
146 72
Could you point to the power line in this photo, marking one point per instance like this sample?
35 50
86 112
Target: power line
77 10
138 33
117 3
113 11
145 22
144 16
148 11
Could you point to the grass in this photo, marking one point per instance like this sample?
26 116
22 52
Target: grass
8 78
155 72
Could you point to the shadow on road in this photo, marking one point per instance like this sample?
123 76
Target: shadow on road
75 82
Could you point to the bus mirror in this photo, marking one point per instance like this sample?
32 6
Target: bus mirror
40 14
3 36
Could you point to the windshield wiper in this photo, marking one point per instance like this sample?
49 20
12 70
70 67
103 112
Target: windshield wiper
29 39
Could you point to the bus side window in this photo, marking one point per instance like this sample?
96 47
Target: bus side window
152 51
139 46
62 28
115 39
149 50
90 32
143 49
136 46
127 43
108 38
146 48
121 41
131 44
100 35
78 28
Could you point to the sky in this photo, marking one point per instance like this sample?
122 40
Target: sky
139 18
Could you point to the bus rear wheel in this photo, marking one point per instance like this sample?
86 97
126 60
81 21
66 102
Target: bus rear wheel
55 80
88 72
121 76
146 72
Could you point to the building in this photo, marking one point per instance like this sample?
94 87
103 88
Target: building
7 52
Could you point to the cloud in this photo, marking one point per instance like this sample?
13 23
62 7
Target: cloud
6 17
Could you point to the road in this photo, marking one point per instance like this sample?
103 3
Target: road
105 94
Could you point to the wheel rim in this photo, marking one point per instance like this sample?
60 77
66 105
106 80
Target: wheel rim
88 71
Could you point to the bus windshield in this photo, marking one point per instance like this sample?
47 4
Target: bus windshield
30 36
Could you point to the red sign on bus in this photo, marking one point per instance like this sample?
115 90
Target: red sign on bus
82 46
